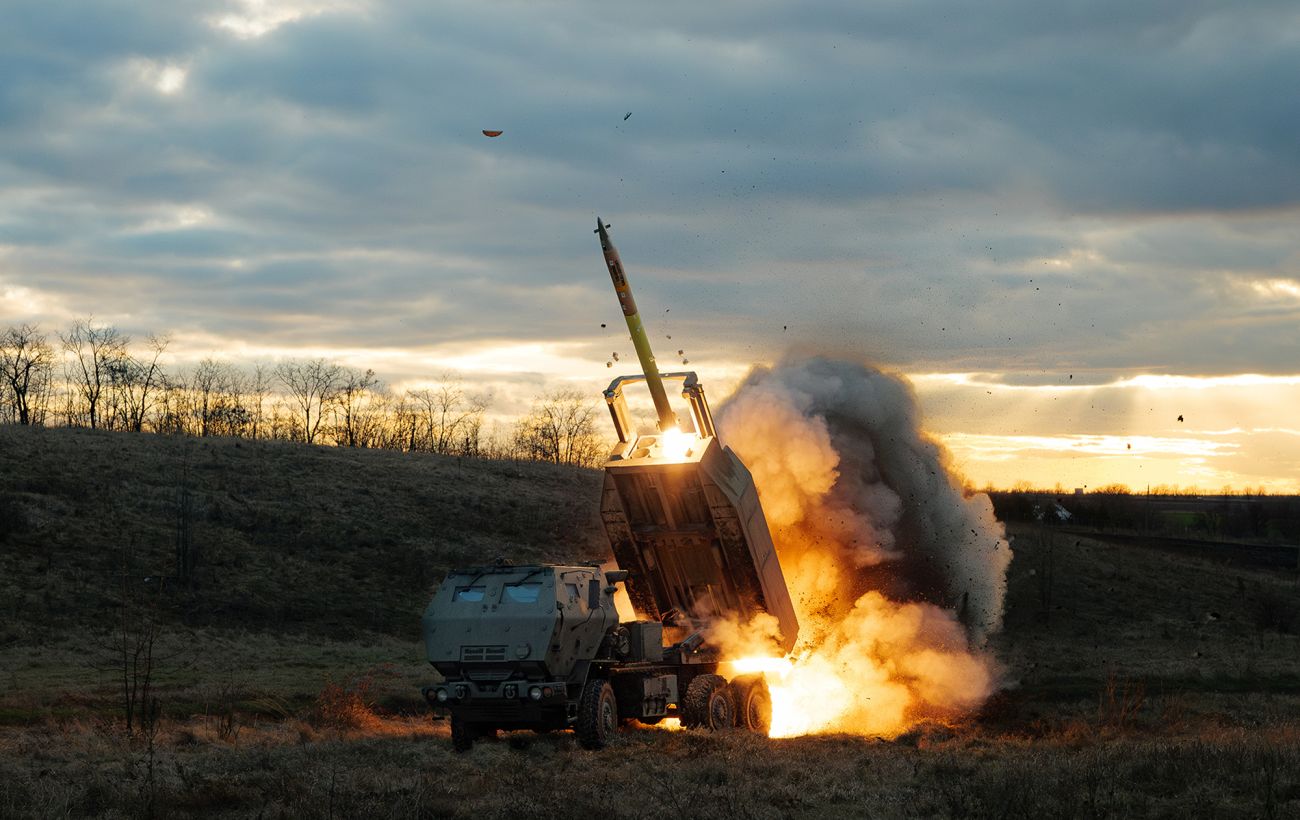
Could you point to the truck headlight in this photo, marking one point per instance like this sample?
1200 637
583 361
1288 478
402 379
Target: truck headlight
442 695
535 693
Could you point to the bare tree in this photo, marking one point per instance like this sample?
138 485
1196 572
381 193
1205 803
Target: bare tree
92 350
258 386
312 385
231 416
137 382
205 393
354 408
26 367
561 428
445 419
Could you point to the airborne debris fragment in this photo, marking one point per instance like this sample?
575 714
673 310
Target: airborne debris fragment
488 133
625 116
1180 418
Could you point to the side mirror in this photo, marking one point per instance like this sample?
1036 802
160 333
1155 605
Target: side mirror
615 575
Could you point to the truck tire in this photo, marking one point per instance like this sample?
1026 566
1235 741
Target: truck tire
463 734
753 704
708 704
597 714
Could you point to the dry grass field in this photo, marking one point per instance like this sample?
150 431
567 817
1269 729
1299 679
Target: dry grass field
286 664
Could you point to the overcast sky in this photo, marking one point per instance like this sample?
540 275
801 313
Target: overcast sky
1038 211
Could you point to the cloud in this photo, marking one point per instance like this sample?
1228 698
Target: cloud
1104 189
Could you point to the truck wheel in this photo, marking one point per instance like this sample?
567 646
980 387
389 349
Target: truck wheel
753 704
708 704
463 734
597 714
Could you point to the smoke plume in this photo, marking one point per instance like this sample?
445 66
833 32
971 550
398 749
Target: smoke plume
897 577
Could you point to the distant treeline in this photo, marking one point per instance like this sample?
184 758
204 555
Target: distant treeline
92 375
1231 517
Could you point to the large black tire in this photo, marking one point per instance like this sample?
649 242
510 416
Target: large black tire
597 715
463 734
753 704
708 704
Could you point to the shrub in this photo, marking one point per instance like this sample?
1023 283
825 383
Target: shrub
348 705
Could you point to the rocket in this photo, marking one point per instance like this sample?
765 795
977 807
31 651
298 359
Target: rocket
640 341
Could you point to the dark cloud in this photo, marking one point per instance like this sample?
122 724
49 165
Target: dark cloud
1015 187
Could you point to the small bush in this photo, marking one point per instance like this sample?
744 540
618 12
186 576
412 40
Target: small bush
1120 702
348 705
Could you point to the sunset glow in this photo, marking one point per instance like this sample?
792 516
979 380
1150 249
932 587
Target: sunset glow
1060 283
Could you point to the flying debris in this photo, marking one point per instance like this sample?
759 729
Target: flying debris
625 116
686 361
609 364
602 324
1180 418
784 328
681 352
488 133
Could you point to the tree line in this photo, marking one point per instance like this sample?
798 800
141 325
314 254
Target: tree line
93 375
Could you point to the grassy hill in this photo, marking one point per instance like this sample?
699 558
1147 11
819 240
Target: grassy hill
283 538
287 662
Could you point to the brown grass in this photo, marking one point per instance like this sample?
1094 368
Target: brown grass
404 767
288 677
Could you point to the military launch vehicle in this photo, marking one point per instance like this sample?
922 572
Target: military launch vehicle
543 647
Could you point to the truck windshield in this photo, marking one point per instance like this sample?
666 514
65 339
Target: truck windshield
521 593
468 594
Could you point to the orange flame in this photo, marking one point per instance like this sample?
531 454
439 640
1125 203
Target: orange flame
876 671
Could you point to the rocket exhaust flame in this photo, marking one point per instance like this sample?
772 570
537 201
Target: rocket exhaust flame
897 578
676 444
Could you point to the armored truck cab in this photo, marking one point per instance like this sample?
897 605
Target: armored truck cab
510 642
541 647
